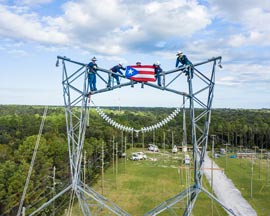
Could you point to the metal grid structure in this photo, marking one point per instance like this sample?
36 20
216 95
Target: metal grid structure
76 95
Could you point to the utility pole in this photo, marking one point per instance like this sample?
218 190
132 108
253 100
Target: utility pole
267 175
113 153
132 139
154 136
184 143
172 139
164 145
212 167
172 147
260 163
102 168
251 178
125 155
143 139
122 142
252 172
227 144
116 163
241 146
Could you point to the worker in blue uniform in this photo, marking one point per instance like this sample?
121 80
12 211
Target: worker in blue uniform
158 71
185 62
116 69
92 70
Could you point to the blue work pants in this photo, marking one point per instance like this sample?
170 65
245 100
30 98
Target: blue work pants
92 81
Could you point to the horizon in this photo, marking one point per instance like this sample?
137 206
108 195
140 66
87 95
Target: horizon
123 107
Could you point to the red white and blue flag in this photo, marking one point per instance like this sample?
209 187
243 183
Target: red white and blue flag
143 73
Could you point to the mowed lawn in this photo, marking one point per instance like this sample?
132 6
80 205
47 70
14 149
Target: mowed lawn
254 185
139 186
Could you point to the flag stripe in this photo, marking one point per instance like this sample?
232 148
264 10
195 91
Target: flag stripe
143 79
147 72
143 75
143 66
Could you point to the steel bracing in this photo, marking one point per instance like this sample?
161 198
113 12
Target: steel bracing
199 93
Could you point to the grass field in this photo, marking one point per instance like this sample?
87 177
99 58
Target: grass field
254 186
139 186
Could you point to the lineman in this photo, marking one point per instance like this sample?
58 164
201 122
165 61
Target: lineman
116 69
185 62
92 70
158 70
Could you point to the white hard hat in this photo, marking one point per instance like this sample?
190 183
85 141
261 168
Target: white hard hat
121 64
157 63
179 52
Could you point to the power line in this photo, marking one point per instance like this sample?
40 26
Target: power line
33 160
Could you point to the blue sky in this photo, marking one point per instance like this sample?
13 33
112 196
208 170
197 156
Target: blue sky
34 32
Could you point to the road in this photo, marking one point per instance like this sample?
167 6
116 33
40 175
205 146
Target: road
226 192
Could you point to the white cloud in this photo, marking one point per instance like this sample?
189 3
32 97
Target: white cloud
243 74
228 81
250 17
235 9
126 25
173 18
29 27
33 2
236 40
257 18
112 29
252 38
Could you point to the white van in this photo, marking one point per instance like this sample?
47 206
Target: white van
187 159
138 156
174 149
153 148
222 151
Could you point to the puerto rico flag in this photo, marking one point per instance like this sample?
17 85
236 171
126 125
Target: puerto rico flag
144 73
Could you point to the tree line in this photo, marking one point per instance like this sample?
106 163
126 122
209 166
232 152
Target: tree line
19 126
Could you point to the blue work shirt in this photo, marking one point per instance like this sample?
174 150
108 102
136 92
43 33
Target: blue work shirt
158 70
183 60
118 69
92 67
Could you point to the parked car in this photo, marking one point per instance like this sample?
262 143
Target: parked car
135 156
187 159
222 151
138 156
142 155
174 149
153 148
216 155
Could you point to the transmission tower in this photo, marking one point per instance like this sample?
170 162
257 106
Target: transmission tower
76 97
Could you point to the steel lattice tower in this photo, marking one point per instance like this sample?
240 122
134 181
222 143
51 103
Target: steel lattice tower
76 96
